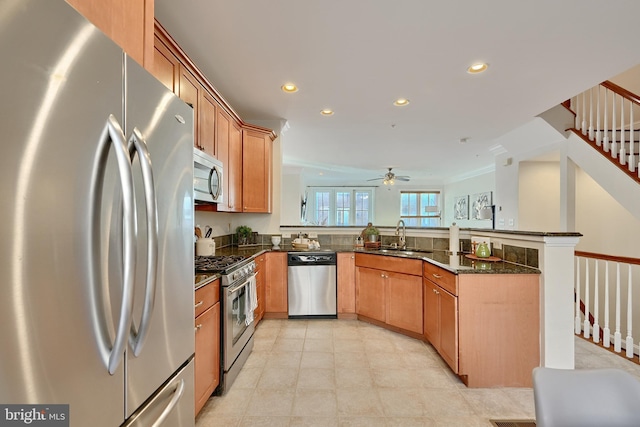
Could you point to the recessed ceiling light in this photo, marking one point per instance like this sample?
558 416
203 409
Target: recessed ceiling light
289 88
327 112
478 67
401 102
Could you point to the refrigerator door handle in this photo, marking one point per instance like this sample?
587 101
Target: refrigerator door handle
112 132
177 394
138 145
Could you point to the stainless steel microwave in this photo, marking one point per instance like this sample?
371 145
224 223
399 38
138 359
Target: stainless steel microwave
207 178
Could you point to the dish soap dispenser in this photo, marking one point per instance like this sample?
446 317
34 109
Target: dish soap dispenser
483 250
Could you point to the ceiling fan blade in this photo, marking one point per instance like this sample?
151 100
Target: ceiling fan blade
374 179
402 178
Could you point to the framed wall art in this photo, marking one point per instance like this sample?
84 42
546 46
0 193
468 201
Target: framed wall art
461 207
480 201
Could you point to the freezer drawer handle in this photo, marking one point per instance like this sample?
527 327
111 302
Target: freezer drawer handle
138 145
172 404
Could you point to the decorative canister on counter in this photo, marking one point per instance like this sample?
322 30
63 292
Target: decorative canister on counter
205 247
483 250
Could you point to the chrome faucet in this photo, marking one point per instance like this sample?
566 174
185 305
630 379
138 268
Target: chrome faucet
402 238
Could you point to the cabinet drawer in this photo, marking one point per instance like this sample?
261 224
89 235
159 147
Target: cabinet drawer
390 263
206 296
446 279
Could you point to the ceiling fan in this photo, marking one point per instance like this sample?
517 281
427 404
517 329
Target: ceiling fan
390 178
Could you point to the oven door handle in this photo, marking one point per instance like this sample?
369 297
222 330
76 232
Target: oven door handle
243 284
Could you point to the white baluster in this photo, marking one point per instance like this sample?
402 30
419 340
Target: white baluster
605 141
614 143
586 325
575 105
598 135
617 336
578 321
629 343
632 157
591 114
596 308
583 124
623 146
606 332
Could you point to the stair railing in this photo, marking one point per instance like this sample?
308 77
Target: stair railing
594 282
606 116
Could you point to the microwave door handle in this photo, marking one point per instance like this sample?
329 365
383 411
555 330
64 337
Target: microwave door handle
112 135
138 145
218 190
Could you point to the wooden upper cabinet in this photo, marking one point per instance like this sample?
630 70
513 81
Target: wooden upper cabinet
129 23
207 118
166 66
234 172
189 88
222 142
256 171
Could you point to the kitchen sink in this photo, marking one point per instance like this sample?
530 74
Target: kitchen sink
406 252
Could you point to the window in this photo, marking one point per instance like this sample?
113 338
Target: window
420 208
341 206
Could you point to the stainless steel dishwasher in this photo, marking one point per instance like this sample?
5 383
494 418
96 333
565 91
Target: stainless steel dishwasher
312 284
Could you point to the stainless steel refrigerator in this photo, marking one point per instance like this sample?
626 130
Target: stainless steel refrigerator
96 224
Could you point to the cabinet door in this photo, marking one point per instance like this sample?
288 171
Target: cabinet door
207 122
207 355
166 66
189 94
129 23
370 293
346 282
276 283
404 301
256 172
260 287
233 174
431 314
449 329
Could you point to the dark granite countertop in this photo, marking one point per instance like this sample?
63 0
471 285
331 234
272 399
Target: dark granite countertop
459 264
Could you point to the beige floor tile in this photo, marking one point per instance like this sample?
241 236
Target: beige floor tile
313 422
402 402
248 377
359 402
321 344
524 399
296 333
410 422
351 360
492 403
257 359
353 378
356 421
317 359
350 333
257 421
288 344
218 421
269 402
320 333
462 421
315 403
285 359
385 360
233 403
445 403
379 345
432 377
316 378
278 378
397 378
348 345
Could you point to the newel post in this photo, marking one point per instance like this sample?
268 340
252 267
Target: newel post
557 302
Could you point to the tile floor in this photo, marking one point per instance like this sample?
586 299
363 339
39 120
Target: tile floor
351 373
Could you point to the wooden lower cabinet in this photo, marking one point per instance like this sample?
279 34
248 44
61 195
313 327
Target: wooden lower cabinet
346 282
371 293
276 304
392 293
441 322
260 287
207 339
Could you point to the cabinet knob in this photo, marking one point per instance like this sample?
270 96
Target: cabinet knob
198 327
382 275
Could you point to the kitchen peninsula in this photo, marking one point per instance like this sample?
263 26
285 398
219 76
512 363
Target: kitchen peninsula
482 317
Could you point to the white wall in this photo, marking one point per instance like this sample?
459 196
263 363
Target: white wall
539 201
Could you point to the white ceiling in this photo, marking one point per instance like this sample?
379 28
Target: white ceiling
357 56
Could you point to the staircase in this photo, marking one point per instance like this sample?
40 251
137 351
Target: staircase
607 118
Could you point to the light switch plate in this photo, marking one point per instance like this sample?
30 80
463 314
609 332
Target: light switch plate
313 235
286 235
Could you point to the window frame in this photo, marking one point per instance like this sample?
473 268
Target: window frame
333 210
420 218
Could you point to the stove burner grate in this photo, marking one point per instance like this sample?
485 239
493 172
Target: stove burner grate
216 263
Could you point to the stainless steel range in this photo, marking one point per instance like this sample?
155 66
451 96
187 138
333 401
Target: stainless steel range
238 281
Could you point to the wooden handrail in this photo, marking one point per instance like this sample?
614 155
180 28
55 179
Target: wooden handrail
626 260
621 91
